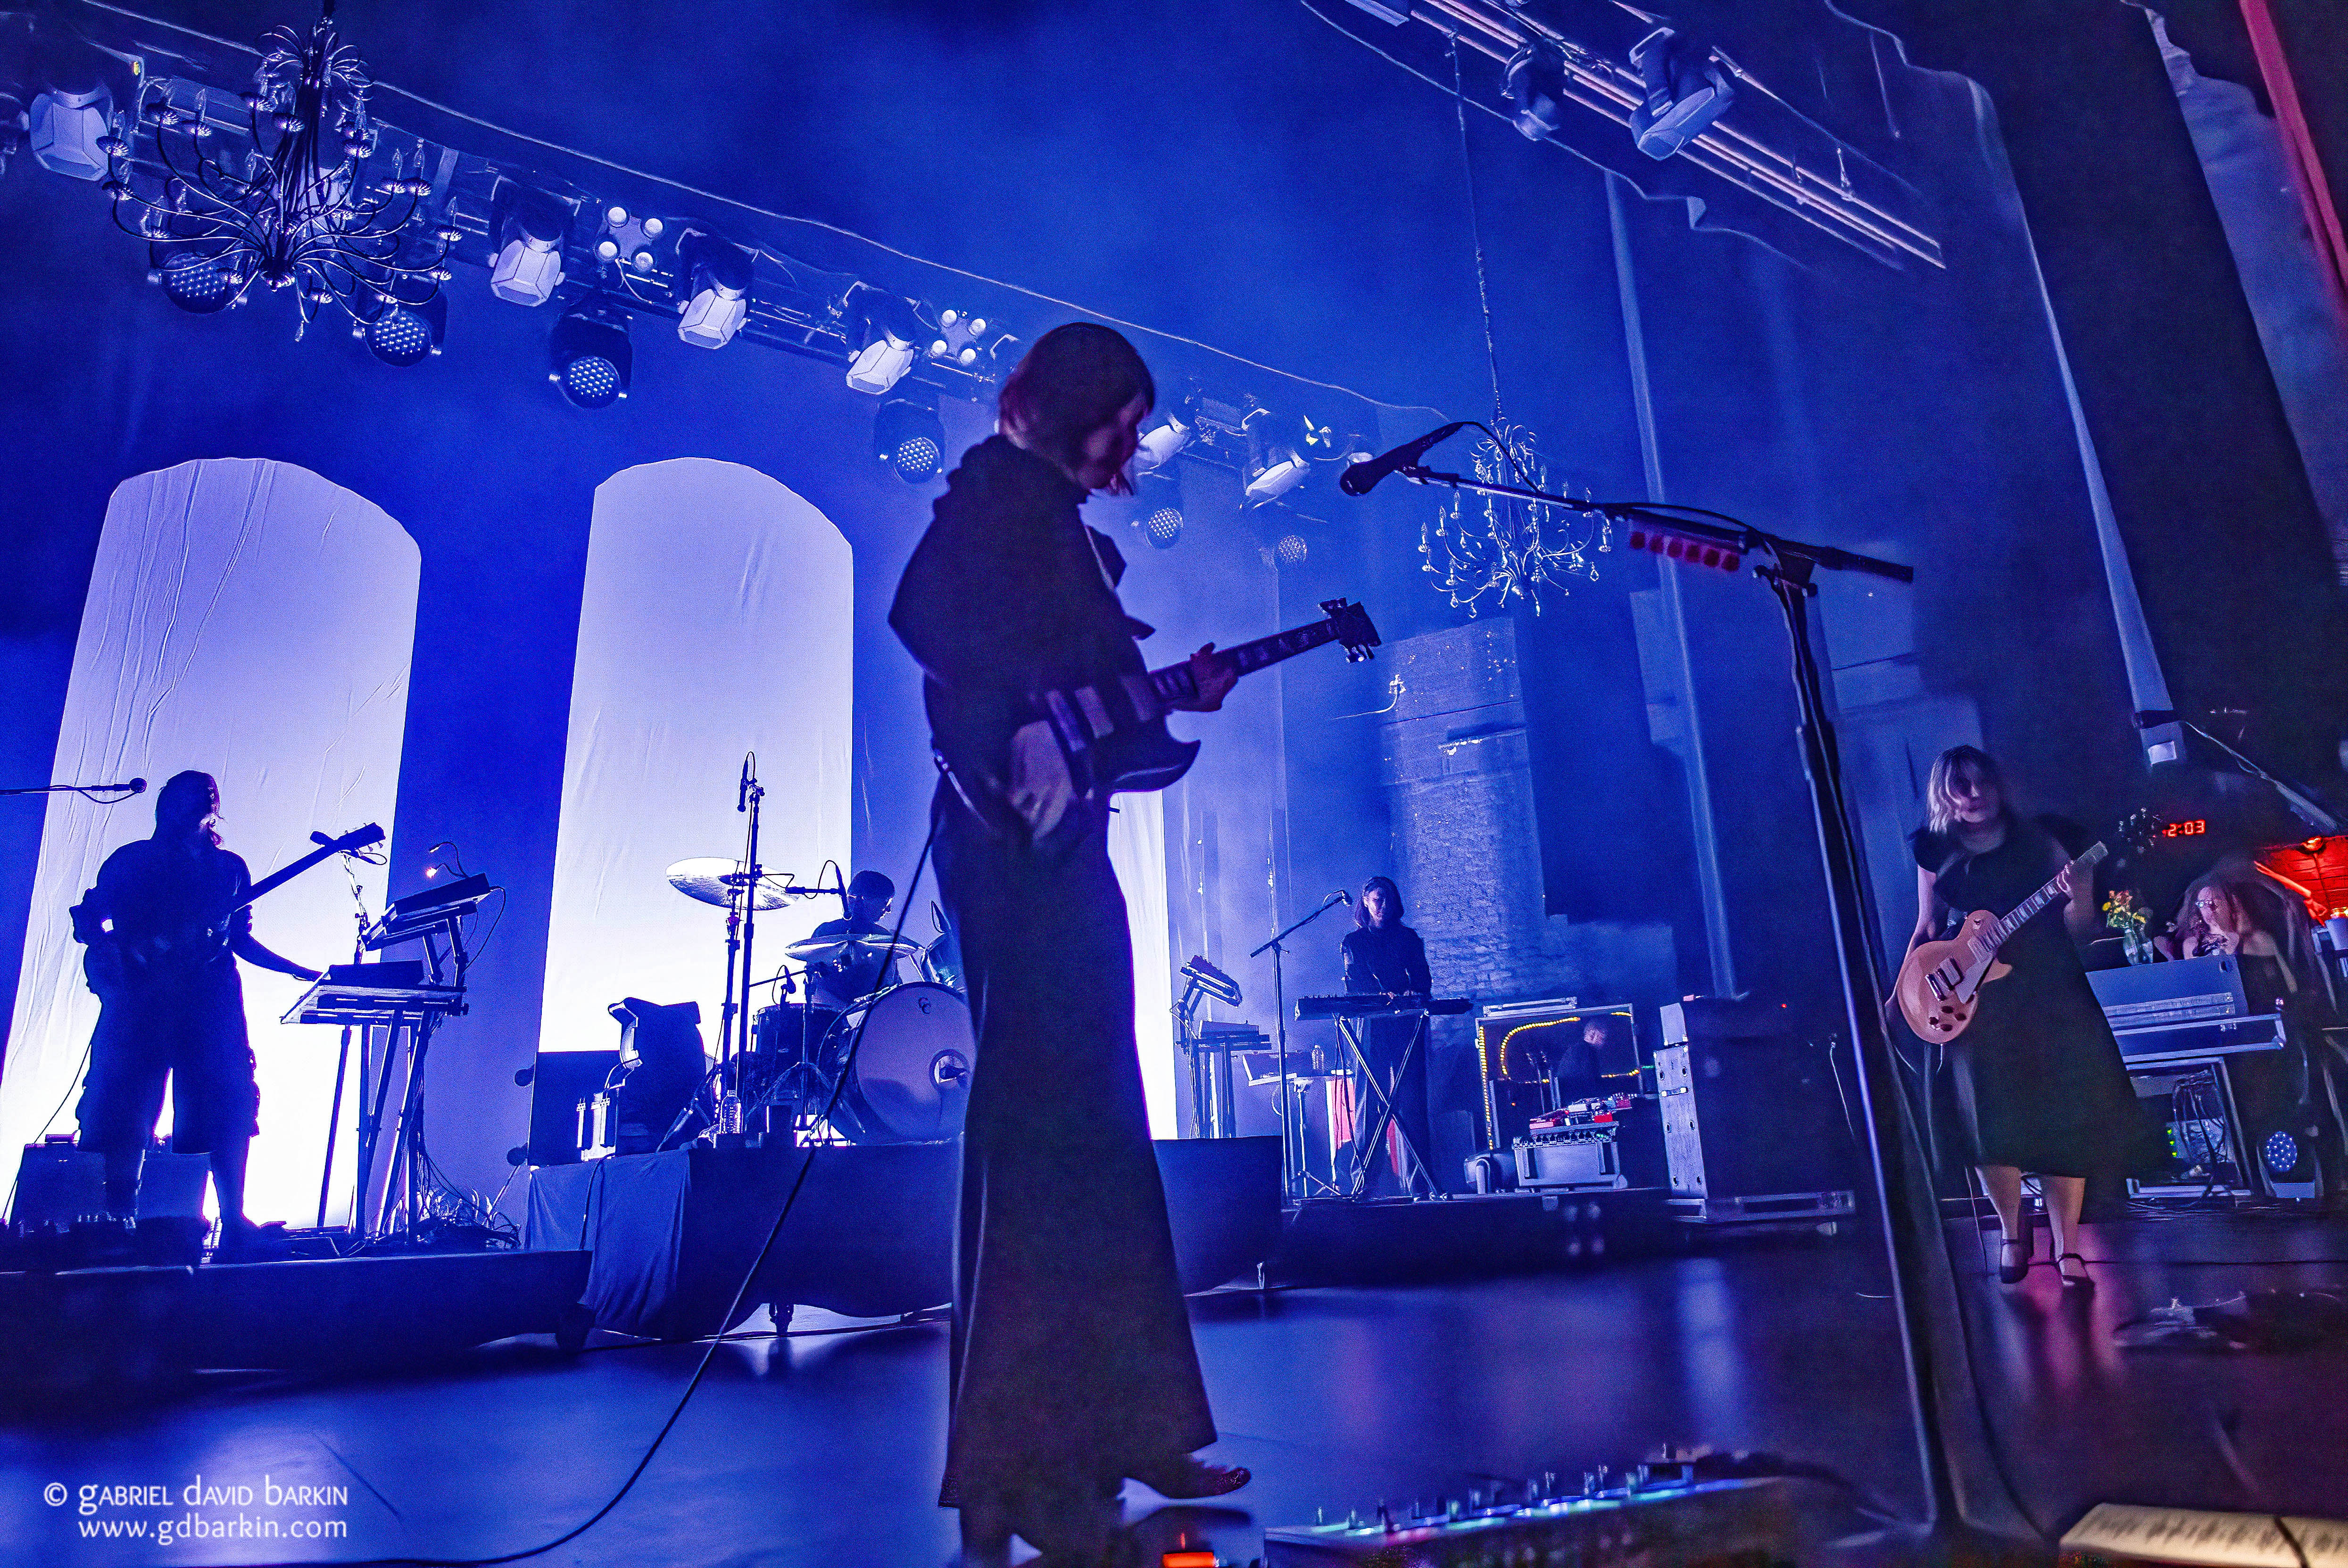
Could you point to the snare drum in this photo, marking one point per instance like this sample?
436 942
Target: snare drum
911 1079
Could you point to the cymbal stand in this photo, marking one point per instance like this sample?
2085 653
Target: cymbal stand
1294 1180
741 939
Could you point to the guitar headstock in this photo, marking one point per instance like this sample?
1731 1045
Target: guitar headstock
2139 829
1352 624
365 838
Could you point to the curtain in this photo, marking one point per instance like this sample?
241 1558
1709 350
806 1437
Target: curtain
717 619
253 621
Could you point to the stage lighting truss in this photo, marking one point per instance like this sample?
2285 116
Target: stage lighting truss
909 436
961 338
1485 551
288 202
1682 96
588 358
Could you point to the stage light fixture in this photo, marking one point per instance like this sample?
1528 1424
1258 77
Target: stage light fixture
911 438
1291 550
530 230
1536 85
714 298
404 334
1275 470
891 329
1160 443
1161 526
1683 90
589 359
199 282
63 128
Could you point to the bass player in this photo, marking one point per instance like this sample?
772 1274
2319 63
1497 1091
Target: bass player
166 924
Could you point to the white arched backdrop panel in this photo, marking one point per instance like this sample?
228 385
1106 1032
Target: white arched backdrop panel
718 617
252 621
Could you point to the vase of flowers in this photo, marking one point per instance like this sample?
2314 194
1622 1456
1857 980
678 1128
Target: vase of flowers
2123 915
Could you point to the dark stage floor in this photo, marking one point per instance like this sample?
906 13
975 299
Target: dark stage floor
825 1449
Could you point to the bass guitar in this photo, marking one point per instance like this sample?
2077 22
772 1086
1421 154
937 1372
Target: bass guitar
1110 737
114 961
1938 989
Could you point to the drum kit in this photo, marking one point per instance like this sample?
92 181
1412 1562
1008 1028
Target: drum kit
892 1065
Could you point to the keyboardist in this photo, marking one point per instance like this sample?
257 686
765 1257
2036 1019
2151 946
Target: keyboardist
1382 954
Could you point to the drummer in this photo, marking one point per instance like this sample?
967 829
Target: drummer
843 981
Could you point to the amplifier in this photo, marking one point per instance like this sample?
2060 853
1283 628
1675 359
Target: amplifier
56 1182
1608 1143
1751 1118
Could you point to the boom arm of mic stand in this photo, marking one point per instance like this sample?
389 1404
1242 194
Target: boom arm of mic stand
1743 540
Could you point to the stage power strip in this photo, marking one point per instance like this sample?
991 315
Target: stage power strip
1660 1518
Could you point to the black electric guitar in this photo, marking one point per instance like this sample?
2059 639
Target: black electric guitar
1110 737
113 962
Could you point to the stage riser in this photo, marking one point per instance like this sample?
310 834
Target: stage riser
1468 1239
66 1333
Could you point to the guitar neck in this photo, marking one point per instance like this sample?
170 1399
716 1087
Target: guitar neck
2029 907
1176 683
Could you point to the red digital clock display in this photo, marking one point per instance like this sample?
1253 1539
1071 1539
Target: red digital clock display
2186 829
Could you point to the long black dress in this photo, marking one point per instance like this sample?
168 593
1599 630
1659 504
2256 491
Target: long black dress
2038 1075
1071 1350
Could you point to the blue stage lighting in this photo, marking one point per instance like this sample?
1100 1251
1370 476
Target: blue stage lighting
530 229
2280 1153
713 299
589 359
891 331
1291 550
910 438
63 128
404 334
196 281
1162 527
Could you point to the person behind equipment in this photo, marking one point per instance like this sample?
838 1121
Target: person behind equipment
2038 1075
1382 954
165 932
1071 1363
843 982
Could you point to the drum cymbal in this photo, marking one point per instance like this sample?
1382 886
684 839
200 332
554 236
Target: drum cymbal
882 947
714 879
818 950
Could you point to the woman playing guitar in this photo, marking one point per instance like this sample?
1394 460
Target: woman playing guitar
1072 1365
2038 1076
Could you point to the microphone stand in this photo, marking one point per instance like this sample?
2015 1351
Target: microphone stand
1923 1287
1293 1175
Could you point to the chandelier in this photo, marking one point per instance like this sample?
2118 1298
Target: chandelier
287 203
1501 547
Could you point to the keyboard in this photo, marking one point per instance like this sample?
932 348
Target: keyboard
1377 1004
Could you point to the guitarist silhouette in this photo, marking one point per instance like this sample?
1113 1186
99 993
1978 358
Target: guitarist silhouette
166 924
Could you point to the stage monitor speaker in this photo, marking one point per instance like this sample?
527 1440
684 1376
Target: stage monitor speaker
56 1182
1751 1118
558 1080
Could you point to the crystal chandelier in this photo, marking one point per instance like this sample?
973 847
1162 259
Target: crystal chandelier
1502 548
287 203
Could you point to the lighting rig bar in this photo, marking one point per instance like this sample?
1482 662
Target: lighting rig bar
1760 144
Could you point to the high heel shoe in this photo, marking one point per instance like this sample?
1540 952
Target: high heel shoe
2012 1272
2080 1281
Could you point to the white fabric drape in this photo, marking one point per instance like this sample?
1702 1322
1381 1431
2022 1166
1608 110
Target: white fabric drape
1137 850
252 621
718 617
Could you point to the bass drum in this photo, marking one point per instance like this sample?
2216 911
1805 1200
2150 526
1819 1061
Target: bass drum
910 1080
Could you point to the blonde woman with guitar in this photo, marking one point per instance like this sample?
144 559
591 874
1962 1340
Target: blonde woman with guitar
2038 1076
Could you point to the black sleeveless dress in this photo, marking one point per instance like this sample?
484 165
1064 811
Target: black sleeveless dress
2039 1079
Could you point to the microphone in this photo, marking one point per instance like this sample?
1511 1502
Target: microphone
1212 981
1359 478
742 791
136 786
